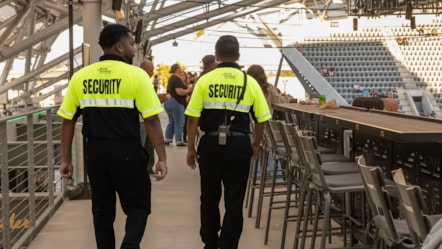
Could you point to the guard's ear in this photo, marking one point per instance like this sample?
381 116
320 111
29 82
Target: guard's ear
119 47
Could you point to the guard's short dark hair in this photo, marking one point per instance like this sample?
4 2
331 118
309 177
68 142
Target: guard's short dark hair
227 46
111 34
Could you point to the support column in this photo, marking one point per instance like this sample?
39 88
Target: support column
92 24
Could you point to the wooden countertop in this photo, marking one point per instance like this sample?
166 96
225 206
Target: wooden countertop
397 127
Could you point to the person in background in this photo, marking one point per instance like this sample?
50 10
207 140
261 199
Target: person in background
191 77
209 63
111 95
148 67
175 104
156 83
186 79
272 96
221 104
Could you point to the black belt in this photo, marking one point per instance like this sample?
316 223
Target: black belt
230 133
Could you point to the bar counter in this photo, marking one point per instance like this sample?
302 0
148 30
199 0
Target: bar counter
390 140
397 127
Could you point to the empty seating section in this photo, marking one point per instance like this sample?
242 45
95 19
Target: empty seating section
358 61
362 60
422 54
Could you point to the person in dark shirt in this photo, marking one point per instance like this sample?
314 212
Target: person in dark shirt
175 105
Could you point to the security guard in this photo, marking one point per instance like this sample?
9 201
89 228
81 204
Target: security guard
111 94
222 103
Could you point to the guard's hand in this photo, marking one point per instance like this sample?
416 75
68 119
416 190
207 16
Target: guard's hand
66 169
192 158
160 170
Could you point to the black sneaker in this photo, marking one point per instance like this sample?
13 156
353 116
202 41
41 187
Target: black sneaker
181 144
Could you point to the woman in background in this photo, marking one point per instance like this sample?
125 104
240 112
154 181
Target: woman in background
175 105
272 96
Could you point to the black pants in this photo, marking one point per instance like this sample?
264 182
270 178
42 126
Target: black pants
226 166
185 129
118 167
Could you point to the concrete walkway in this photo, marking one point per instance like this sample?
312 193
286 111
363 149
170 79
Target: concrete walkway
174 222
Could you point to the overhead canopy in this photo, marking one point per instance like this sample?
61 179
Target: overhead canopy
28 29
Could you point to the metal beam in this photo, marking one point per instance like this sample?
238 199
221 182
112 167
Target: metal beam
38 71
7 23
37 37
50 82
50 93
4 3
153 23
265 4
154 19
7 68
198 18
50 5
18 20
172 9
271 34
299 64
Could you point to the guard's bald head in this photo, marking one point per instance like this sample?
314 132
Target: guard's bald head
147 66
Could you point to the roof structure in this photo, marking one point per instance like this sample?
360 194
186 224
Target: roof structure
29 29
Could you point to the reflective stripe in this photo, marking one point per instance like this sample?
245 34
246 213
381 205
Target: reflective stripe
226 105
265 117
152 110
65 113
107 102
193 112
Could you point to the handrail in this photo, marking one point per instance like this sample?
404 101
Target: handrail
31 188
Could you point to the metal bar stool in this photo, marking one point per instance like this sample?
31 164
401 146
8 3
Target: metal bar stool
325 186
253 182
389 231
333 164
413 204
274 149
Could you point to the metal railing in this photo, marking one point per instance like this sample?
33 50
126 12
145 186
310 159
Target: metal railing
31 188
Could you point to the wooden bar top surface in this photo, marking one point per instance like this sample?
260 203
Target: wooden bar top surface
400 127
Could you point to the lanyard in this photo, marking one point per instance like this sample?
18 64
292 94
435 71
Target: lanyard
241 96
